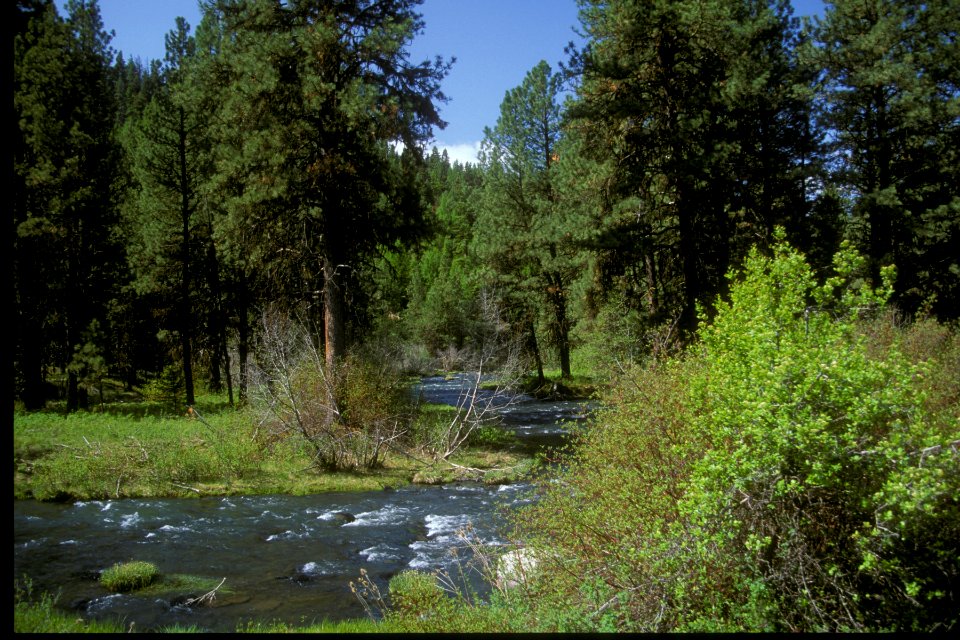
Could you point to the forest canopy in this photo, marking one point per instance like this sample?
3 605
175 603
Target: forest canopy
161 206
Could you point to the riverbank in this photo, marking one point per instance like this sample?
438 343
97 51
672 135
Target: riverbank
129 452
122 469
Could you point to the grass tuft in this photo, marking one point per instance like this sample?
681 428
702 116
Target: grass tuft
129 576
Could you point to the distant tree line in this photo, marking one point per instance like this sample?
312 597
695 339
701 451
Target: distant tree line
274 159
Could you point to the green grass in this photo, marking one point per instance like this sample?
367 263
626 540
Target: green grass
96 455
360 625
129 576
184 583
40 615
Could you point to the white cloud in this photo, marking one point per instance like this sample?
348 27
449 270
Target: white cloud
462 153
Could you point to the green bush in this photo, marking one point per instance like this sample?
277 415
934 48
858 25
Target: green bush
792 472
609 515
416 593
129 576
826 489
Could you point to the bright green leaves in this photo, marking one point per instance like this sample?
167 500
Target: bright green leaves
797 470
811 435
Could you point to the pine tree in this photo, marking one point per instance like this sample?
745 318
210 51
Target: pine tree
68 258
690 108
892 97
169 155
522 230
313 95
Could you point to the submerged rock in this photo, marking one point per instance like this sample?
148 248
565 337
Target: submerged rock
343 517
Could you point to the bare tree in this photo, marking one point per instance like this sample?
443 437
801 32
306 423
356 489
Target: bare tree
348 415
495 368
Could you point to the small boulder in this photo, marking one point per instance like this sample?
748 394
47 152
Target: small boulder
514 566
343 517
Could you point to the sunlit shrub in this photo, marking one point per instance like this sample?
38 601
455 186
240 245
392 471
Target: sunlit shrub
603 527
797 469
824 469
417 593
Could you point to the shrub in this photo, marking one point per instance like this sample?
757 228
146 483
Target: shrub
601 528
348 415
790 472
416 593
129 576
818 503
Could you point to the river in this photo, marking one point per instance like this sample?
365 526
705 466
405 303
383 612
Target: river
284 558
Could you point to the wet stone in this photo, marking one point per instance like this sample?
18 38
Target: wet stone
343 517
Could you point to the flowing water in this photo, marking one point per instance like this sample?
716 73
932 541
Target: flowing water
285 558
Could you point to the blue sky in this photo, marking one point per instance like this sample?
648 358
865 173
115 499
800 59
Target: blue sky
496 42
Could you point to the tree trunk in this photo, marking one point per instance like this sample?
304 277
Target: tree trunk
333 315
220 318
185 311
243 339
535 349
691 273
562 329
73 392
650 271
31 366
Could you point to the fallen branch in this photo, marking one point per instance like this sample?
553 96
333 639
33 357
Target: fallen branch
206 598
183 486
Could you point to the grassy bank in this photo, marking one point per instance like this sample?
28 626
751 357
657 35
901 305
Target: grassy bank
136 449
38 613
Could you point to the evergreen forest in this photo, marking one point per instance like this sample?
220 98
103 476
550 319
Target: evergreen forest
742 227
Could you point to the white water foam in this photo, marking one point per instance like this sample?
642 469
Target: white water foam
286 535
320 569
98 604
275 515
389 514
380 553
441 537
129 520
104 506
437 525
326 515
33 543
171 528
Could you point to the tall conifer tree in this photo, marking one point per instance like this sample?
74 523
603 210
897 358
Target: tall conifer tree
522 231
892 98
313 95
686 103
169 155
68 258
